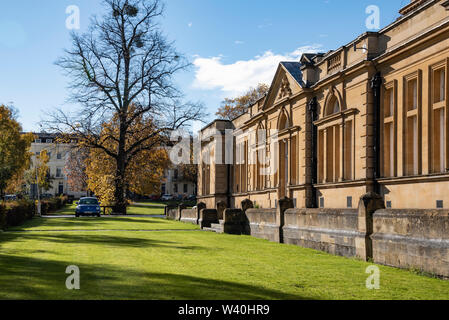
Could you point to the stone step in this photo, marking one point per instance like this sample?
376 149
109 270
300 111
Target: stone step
209 229
217 227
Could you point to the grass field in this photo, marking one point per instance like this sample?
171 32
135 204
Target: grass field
118 262
137 209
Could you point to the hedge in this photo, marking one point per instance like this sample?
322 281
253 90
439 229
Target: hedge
53 204
13 214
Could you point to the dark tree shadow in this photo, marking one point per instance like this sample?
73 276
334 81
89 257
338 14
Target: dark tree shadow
32 278
95 239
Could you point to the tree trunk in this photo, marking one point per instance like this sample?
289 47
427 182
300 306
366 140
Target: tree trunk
119 195
119 192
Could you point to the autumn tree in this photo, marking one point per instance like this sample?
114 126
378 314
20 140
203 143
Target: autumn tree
143 173
123 60
39 175
75 168
14 148
232 108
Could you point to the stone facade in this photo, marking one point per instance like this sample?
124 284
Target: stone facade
348 122
58 153
357 145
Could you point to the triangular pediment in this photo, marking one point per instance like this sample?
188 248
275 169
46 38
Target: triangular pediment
283 86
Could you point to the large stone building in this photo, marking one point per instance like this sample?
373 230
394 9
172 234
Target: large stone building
369 116
57 153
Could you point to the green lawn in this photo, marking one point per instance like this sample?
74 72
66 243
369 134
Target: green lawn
104 223
153 209
184 264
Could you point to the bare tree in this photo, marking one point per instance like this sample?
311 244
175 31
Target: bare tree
123 66
75 168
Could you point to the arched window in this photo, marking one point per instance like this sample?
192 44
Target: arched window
333 106
335 143
283 122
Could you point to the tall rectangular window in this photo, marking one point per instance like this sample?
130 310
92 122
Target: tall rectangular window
294 161
348 151
329 155
438 115
321 156
412 114
388 135
439 85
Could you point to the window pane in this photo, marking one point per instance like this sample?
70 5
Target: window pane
442 85
336 106
438 152
439 82
389 103
348 150
330 155
412 95
411 151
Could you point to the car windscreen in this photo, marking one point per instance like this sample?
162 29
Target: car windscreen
89 201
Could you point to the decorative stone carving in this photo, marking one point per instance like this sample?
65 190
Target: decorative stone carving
285 88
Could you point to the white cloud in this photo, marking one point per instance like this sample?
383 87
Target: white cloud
239 42
237 77
190 24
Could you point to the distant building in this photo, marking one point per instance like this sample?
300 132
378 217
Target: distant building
175 184
58 154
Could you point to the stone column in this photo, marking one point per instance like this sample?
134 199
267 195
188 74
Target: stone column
181 207
200 206
221 207
246 204
368 205
283 205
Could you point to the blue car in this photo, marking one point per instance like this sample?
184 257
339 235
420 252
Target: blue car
88 207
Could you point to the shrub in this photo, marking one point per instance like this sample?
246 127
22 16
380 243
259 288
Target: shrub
15 213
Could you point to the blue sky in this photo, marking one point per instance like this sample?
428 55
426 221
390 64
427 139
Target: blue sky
233 44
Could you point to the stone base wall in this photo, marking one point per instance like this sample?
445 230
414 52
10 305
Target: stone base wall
233 221
262 223
410 238
404 238
171 213
189 216
330 230
208 217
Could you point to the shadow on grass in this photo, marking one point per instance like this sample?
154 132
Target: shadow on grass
103 239
33 278
87 223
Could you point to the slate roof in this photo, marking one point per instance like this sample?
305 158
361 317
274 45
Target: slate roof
294 68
